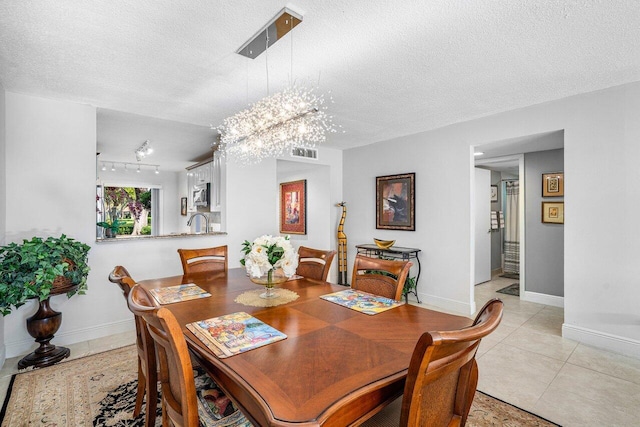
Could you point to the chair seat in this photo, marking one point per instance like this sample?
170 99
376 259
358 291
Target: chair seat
215 409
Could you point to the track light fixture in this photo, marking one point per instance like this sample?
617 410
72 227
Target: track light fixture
144 150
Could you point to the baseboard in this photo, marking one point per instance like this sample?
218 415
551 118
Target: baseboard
448 304
543 299
603 340
18 348
496 272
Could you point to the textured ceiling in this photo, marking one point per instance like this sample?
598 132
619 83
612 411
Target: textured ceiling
393 68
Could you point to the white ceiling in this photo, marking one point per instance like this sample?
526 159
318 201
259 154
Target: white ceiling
393 68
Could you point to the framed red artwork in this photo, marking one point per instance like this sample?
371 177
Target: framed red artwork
293 207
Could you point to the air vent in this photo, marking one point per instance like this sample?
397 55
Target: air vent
307 153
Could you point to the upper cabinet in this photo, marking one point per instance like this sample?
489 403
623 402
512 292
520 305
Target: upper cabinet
199 175
216 182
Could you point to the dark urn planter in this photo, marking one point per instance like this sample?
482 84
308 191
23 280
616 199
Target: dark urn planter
42 326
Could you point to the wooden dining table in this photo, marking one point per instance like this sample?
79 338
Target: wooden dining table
337 366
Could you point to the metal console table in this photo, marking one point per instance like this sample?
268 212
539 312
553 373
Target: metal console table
405 254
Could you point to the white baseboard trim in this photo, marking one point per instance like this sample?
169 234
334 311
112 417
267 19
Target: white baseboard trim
18 348
543 299
610 342
448 304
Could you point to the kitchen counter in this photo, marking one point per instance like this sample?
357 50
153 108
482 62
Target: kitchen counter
121 238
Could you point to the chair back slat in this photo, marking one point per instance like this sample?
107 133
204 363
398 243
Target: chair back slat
204 260
380 276
314 263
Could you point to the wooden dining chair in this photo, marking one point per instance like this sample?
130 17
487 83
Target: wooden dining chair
183 403
147 368
204 260
443 375
380 276
314 263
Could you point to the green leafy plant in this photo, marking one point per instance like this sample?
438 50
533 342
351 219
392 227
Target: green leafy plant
112 226
29 270
409 286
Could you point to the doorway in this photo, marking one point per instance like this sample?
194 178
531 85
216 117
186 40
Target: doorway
506 226
541 280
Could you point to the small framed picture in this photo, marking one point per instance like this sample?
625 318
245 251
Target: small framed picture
395 202
494 193
553 184
553 212
293 207
183 206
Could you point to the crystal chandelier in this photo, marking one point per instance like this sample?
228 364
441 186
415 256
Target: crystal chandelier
272 127
275 125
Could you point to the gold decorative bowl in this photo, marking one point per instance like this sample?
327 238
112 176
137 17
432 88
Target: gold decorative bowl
384 244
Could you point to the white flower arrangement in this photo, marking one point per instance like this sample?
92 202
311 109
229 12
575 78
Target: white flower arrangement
268 253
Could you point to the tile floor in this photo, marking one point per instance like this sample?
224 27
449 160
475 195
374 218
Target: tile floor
525 362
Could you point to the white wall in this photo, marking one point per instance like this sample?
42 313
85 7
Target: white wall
544 253
442 199
50 172
51 149
3 204
318 204
602 199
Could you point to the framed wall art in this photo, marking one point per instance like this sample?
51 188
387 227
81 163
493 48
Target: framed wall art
553 212
293 207
183 206
395 202
553 184
494 193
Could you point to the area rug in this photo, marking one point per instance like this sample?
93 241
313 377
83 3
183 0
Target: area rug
513 289
510 275
100 390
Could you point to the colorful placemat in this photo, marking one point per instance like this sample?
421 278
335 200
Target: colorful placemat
179 293
234 333
253 299
362 301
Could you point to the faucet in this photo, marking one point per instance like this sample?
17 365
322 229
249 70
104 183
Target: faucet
206 220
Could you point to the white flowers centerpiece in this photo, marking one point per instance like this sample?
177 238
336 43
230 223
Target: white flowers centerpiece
266 254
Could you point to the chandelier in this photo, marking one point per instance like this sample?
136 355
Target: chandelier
276 125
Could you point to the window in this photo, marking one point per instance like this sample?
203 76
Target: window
127 211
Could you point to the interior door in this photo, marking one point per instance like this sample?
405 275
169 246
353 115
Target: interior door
483 225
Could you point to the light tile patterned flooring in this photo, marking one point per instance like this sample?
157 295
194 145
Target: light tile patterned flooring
525 362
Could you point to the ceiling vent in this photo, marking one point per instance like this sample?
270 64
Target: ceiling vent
307 153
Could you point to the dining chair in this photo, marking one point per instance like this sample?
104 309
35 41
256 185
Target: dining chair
147 368
443 375
314 263
183 403
380 276
204 260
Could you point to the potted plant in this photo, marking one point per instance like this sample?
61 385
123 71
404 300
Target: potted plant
110 227
38 268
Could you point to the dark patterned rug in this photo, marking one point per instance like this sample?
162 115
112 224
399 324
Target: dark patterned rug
510 275
513 289
100 390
